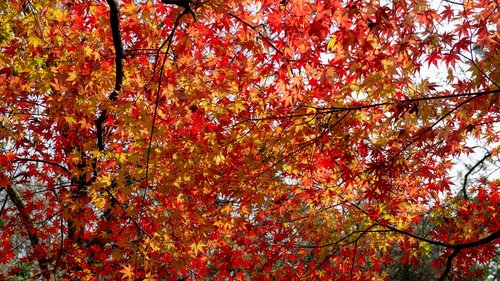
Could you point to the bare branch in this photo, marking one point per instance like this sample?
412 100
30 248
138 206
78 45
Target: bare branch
464 187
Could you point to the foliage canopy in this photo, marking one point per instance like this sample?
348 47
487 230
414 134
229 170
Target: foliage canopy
261 140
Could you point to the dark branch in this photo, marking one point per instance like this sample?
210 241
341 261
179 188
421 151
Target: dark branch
44 162
414 236
453 2
27 221
157 101
483 241
119 73
99 129
449 261
117 42
115 201
464 188
261 35
475 94
186 4
427 130
328 110
456 247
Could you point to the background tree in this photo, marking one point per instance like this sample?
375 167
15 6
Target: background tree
247 139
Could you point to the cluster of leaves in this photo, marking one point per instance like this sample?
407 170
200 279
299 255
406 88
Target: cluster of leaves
265 140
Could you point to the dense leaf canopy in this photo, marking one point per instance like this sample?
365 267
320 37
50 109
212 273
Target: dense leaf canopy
248 140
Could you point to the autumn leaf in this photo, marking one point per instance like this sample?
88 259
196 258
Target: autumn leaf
127 272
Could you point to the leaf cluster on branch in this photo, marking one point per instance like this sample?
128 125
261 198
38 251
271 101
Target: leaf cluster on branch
249 140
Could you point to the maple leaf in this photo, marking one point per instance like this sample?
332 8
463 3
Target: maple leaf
127 271
434 57
197 247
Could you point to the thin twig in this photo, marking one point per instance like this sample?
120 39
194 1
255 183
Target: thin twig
261 35
428 129
453 2
328 110
464 187
113 198
157 101
20 159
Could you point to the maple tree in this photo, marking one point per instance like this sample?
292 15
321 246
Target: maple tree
264 140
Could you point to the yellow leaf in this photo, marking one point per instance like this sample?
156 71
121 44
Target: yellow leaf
127 272
99 201
70 119
106 180
72 76
227 209
150 277
331 43
239 106
87 51
425 248
219 159
180 198
197 247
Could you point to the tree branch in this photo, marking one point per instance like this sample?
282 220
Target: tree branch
428 129
328 110
117 42
490 238
474 94
261 35
449 261
453 2
27 221
414 236
186 4
464 187
20 159
158 91
456 247
114 21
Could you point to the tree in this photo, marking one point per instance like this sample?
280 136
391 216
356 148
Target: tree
260 140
